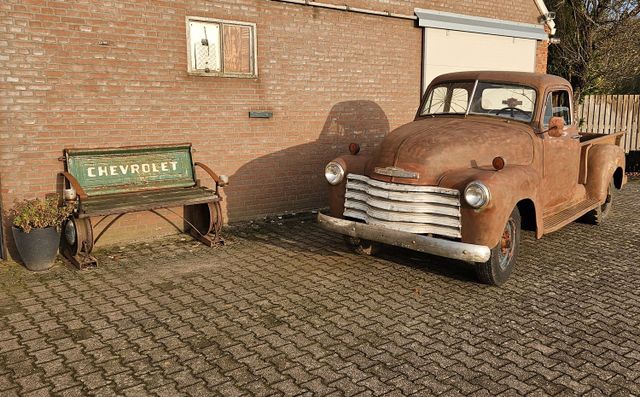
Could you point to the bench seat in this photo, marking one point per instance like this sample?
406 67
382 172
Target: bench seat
145 200
110 182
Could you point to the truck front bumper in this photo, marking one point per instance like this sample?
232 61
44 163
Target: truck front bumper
416 242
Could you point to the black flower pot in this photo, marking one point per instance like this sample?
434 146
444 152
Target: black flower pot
38 248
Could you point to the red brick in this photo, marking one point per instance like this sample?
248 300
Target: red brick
330 77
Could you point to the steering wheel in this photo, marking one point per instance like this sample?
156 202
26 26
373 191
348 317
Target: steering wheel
512 109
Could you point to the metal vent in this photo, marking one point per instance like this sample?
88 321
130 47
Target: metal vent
408 208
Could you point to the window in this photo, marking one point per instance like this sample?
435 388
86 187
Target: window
504 100
221 48
489 99
448 98
558 105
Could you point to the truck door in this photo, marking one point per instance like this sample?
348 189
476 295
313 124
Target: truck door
561 154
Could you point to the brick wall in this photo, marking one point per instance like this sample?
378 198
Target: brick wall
330 77
542 53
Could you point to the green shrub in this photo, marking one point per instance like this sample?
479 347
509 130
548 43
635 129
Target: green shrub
39 213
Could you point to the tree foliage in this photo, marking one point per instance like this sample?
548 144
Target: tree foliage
599 49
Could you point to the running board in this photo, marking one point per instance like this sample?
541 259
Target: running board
554 222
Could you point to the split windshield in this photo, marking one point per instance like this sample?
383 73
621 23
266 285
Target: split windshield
506 100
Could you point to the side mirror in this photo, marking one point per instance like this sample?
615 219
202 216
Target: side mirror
556 127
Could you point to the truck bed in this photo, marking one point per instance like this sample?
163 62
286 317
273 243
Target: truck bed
587 140
596 139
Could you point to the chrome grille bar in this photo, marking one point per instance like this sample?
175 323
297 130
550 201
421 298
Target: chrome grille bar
410 208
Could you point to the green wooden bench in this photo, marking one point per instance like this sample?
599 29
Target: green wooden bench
107 183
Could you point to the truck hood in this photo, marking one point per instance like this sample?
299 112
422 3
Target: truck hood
430 147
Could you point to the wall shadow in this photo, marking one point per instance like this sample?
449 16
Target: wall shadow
292 179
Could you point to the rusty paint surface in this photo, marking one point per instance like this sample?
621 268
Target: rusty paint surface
120 170
452 150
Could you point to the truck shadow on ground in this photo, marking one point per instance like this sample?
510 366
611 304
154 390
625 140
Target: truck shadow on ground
305 237
256 189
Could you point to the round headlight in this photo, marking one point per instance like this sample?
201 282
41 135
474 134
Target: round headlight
477 194
334 173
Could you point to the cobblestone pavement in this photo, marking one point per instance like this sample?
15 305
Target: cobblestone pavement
286 309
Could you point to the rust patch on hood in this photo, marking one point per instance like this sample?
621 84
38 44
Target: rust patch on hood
430 147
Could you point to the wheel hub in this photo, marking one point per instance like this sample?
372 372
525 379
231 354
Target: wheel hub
506 245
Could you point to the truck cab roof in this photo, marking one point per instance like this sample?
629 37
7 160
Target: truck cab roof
536 80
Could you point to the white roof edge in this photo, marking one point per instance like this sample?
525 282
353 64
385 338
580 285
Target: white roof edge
474 24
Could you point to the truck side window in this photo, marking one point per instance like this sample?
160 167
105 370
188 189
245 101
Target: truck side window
558 105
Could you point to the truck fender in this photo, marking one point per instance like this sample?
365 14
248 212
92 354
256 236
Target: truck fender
352 164
603 162
513 186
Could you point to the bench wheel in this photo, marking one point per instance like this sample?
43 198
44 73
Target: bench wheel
77 242
204 222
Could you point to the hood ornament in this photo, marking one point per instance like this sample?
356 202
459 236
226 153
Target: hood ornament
396 172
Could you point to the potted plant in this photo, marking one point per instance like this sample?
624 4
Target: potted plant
36 230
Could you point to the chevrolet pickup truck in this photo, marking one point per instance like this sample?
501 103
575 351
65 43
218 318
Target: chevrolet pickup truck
487 155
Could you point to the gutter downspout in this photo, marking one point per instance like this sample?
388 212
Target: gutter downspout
348 8
544 11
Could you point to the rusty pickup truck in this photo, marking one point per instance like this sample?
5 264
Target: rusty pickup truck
487 155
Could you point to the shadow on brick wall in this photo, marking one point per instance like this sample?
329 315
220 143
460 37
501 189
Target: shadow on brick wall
292 179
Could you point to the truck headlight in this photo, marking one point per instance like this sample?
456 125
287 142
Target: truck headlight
334 173
477 194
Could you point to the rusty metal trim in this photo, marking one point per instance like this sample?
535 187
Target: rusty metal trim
209 171
416 242
75 184
396 172
131 147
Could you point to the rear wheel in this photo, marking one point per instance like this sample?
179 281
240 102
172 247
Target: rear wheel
498 268
361 246
598 215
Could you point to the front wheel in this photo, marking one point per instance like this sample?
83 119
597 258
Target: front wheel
498 268
361 246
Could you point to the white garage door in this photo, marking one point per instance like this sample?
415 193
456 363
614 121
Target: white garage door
455 43
452 51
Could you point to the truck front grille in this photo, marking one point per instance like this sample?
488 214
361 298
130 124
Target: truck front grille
408 208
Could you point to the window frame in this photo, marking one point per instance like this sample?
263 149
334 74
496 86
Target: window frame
253 48
544 106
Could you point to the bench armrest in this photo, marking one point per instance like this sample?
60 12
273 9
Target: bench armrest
220 181
75 184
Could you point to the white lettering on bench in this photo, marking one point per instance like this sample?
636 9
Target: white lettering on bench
130 169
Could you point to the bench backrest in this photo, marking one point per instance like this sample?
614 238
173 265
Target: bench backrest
131 169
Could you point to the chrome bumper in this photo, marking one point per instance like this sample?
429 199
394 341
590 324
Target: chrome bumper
416 242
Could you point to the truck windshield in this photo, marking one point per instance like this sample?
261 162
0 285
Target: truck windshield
506 100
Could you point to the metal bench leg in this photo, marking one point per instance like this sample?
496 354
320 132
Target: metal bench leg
204 222
77 242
